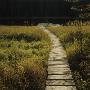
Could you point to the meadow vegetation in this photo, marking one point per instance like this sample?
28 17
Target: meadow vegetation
23 57
76 41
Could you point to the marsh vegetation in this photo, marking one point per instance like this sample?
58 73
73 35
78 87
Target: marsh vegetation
23 57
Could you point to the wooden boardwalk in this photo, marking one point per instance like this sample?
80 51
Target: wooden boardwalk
59 73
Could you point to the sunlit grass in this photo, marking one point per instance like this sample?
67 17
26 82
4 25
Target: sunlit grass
23 58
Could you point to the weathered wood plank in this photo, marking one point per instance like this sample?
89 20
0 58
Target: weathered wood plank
59 72
57 62
60 88
52 77
60 82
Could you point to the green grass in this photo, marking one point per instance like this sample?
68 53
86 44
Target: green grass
76 41
23 58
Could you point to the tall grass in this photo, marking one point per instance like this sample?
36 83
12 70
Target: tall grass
76 41
23 58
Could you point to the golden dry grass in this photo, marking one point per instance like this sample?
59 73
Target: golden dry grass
23 57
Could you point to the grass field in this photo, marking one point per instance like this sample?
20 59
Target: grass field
23 58
76 41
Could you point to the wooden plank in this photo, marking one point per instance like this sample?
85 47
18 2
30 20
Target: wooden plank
54 77
60 83
60 88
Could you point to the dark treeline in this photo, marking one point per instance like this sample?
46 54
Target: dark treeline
34 8
26 10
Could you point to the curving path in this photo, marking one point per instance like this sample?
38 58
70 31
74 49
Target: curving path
59 73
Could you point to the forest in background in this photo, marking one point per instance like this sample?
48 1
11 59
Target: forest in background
48 11
38 8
